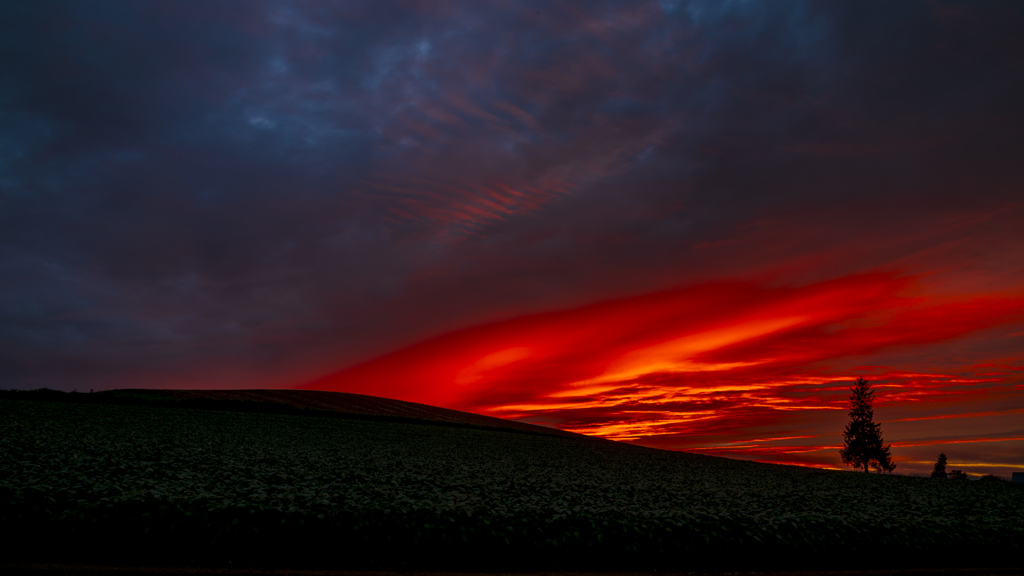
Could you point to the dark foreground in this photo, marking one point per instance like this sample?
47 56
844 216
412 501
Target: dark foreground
81 570
115 485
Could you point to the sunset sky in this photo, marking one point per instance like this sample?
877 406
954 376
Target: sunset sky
687 225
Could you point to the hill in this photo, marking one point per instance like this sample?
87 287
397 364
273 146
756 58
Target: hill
299 402
349 404
171 484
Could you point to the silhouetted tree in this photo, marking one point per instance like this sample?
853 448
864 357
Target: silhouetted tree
991 478
940 467
958 475
862 439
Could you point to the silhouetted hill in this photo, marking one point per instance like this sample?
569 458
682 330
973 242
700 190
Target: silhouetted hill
305 402
151 477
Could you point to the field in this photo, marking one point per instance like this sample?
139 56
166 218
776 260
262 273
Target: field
172 485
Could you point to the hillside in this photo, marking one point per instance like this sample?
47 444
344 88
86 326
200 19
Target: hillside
304 402
345 403
109 483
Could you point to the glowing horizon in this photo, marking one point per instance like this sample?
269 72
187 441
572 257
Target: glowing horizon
699 368
684 224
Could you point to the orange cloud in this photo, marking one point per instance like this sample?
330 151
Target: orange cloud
702 367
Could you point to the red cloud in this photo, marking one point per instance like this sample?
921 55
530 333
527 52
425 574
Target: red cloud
699 368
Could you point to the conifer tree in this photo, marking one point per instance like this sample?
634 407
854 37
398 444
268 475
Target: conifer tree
940 467
862 439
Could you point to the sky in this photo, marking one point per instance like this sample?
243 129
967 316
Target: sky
686 225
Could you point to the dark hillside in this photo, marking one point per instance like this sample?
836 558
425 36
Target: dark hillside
115 484
299 402
346 403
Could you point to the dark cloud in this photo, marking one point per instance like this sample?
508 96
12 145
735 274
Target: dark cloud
205 194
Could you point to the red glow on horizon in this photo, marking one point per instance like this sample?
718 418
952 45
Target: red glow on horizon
698 368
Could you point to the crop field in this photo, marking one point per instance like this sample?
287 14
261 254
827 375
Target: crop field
186 486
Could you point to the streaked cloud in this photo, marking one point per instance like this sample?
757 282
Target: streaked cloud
684 223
